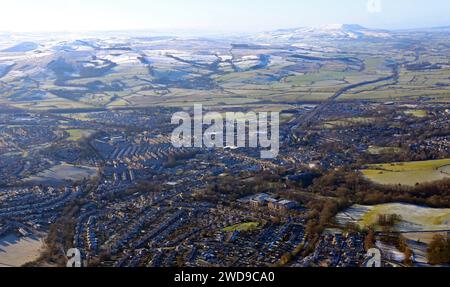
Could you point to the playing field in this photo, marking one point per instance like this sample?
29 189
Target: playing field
76 135
376 150
249 226
417 113
348 122
408 173
62 173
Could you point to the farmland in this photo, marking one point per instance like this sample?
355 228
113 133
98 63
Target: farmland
408 173
174 71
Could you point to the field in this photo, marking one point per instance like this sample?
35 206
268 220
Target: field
408 173
76 135
249 226
414 218
342 123
183 71
417 113
62 173
15 251
376 150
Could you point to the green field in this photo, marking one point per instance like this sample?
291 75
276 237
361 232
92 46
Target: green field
376 150
417 113
78 134
348 122
249 226
408 173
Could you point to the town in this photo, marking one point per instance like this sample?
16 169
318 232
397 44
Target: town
146 203
360 156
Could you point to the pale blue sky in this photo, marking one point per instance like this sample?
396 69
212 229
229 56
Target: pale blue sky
215 15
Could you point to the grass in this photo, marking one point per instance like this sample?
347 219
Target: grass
249 226
417 113
408 173
376 150
311 78
77 134
347 122
78 116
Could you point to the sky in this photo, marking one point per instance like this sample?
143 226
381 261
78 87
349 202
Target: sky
217 15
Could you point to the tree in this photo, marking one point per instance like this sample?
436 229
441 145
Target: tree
439 250
171 162
369 241
408 257
285 259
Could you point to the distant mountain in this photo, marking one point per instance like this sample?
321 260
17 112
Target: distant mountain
332 32
22 47
432 29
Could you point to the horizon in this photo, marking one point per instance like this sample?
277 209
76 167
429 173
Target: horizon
217 17
176 32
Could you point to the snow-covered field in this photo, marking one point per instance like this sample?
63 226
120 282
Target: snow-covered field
414 218
390 252
64 172
16 251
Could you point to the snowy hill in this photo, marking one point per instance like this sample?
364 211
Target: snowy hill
331 32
